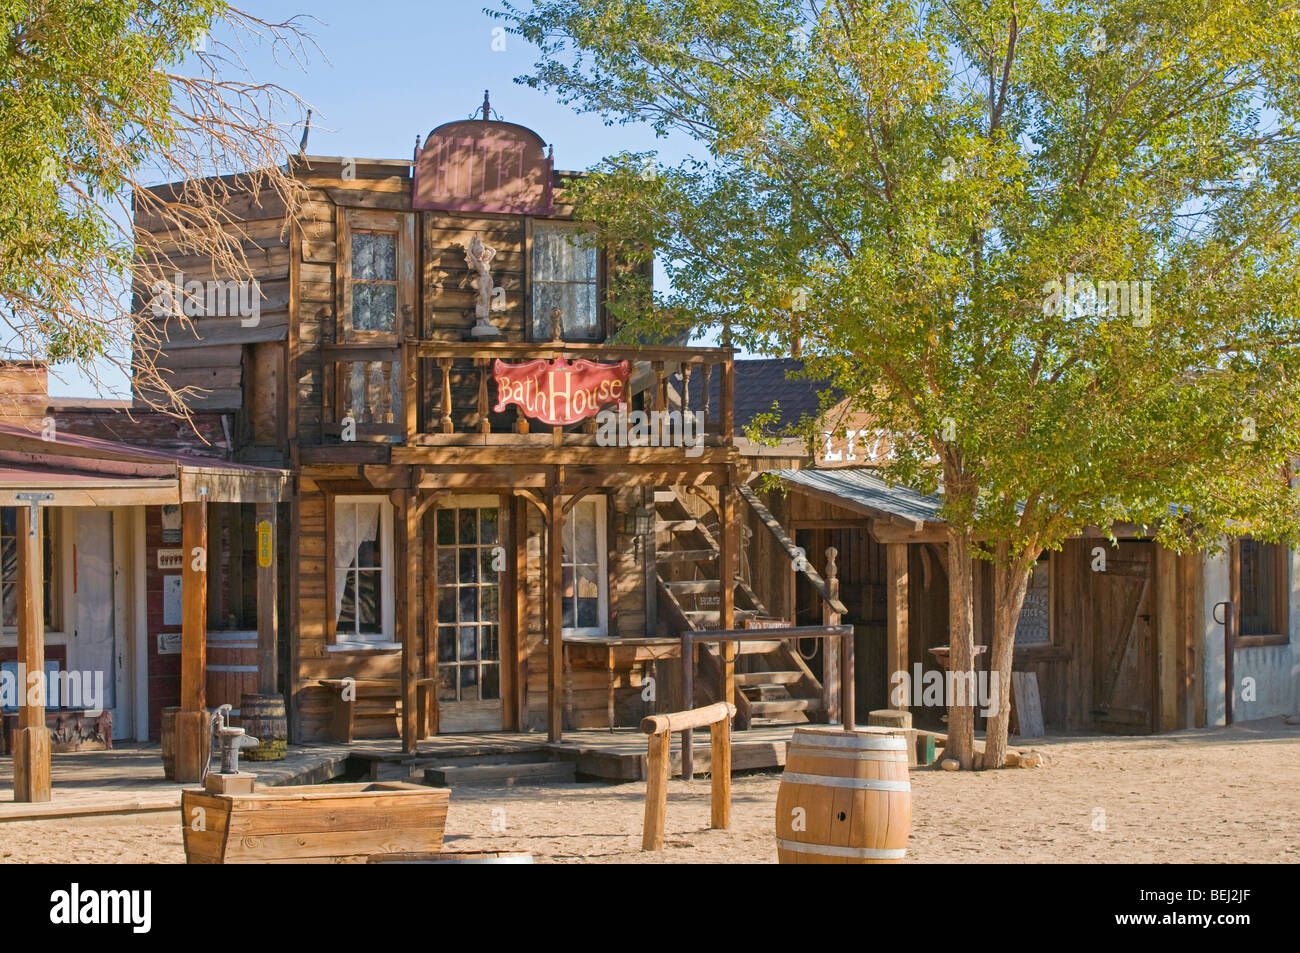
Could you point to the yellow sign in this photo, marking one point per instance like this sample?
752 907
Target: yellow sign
265 542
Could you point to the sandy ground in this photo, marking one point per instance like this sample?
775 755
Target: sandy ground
1200 797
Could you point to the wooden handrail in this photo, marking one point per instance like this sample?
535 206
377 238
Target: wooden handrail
660 728
690 637
767 519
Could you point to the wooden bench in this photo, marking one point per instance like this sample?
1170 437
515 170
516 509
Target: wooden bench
375 707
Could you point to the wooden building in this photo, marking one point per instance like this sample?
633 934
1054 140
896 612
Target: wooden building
484 536
1125 639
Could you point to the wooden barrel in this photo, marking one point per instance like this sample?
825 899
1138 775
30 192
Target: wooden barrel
169 743
232 669
844 798
263 717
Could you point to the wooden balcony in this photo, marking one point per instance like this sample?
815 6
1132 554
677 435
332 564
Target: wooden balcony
434 394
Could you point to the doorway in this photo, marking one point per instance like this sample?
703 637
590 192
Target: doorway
1123 645
468 561
97 649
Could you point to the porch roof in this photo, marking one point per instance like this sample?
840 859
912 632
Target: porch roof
89 471
860 489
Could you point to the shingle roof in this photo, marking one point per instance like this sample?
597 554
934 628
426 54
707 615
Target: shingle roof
760 383
862 489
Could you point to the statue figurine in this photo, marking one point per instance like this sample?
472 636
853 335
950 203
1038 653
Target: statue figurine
479 258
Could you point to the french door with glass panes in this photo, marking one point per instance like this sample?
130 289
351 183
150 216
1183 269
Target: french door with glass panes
468 571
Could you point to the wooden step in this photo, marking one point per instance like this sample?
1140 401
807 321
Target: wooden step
677 526
767 678
711 616
769 692
665 496
685 555
766 709
510 772
693 585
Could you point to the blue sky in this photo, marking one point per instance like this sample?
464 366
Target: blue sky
388 71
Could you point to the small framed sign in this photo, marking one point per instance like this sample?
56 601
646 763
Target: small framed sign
171 523
169 643
169 558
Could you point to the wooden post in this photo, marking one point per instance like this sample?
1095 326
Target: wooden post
555 616
649 553
267 606
656 791
896 614
720 767
31 740
509 627
831 669
520 597
688 700
405 614
192 729
727 561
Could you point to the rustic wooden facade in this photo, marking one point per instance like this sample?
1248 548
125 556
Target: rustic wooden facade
431 585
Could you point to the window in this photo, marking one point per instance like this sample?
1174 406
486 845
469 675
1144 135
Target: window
374 281
1263 594
565 275
469 596
1034 627
9 568
583 563
363 557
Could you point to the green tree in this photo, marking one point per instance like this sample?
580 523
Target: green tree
97 99
943 182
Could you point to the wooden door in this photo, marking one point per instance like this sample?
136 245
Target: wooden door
1123 640
469 560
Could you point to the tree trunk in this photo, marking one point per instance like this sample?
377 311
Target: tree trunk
961 650
1009 586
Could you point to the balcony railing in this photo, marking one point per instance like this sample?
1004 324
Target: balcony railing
434 393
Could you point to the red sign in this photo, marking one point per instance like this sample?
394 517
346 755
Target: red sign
477 166
559 393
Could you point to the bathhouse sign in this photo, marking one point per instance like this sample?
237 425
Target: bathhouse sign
558 393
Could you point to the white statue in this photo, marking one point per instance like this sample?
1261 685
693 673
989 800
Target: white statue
479 258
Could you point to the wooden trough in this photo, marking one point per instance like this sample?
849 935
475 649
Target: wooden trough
317 823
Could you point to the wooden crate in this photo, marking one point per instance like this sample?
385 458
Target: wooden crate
318 823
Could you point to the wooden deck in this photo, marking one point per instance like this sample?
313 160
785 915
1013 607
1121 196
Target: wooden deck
617 755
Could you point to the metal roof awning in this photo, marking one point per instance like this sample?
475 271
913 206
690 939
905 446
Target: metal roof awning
88 471
864 492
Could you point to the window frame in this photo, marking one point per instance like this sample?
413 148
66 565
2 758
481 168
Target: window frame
58 566
386 638
402 226
602 322
602 569
1281 596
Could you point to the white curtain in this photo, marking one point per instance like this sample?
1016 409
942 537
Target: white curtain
354 524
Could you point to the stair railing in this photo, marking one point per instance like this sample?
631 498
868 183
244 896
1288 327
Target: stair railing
691 638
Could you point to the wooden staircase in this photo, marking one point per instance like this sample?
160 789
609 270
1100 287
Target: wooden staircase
774 685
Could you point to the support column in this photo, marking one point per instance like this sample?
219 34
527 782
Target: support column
896 653
507 537
267 606
193 738
407 633
832 671
31 741
555 615
728 550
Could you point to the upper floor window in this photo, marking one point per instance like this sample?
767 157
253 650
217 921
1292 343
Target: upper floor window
374 281
376 267
565 277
